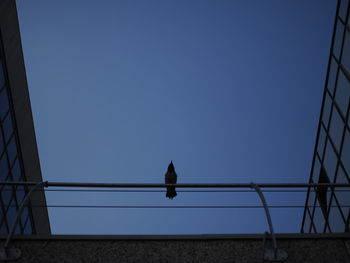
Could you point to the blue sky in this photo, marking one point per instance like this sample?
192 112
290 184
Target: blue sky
229 90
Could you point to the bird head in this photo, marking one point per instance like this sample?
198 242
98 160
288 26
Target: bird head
171 167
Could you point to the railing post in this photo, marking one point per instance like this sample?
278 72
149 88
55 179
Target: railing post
278 254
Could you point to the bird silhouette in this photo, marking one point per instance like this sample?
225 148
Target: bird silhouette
170 178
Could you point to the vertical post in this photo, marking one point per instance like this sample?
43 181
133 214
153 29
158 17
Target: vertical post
261 195
20 209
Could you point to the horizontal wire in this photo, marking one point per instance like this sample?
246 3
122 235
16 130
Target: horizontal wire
172 207
184 185
163 191
10 188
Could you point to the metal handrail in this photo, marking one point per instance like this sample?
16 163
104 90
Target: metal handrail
151 185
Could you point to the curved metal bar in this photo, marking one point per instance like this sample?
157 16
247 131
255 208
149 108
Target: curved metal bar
261 195
19 212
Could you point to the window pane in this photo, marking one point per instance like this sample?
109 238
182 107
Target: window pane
7 124
6 194
24 214
346 53
343 193
311 200
11 215
343 9
338 39
316 171
20 194
342 93
345 156
3 168
12 150
16 171
4 103
326 110
2 75
335 219
2 146
321 141
307 223
28 228
318 219
332 75
330 161
336 128
3 228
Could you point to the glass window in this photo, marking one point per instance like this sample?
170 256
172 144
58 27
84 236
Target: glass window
311 200
4 104
336 128
335 219
6 194
24 215
3 168
345 60
318 219
332 76
307 222
316 171
330 161
28 228
12 150
326 110
2 146
20 193
11 215
321 141
322 191
343 193
343 9
3 228
2 75
342 93
16 171
7 125
338 39
345 156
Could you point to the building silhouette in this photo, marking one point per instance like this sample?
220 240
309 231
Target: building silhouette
326 209
19 160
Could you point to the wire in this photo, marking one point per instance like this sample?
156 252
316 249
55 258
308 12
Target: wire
163 191
171 207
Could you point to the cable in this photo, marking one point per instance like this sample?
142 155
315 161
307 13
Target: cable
171 207
163 191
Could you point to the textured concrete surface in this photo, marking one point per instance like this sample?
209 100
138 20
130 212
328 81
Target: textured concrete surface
227 250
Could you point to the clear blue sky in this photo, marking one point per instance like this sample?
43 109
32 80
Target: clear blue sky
229 90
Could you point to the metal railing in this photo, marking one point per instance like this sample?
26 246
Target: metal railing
276 254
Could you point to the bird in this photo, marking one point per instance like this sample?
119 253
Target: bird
171 178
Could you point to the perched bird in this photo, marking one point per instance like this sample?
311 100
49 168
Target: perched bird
171 178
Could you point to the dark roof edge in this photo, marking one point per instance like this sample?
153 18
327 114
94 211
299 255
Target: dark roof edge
180 237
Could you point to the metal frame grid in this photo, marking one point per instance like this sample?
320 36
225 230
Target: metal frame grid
11 165
326 141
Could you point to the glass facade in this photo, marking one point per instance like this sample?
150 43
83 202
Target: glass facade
11 166
327 209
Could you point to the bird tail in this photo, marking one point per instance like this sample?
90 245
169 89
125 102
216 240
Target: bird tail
170 192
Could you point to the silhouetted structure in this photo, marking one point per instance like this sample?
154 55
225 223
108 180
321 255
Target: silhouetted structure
325 209
171 178
19 160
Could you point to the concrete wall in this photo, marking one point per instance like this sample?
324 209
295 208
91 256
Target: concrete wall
70 249
19 94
